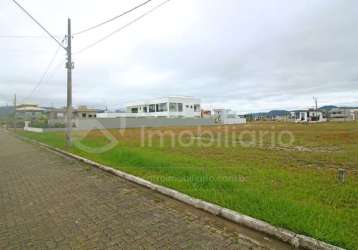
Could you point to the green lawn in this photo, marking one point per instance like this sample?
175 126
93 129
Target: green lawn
294 186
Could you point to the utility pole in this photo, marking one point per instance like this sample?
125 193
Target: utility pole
316 103
69 66
15 105
316 107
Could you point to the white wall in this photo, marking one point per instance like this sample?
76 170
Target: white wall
228 121
35 130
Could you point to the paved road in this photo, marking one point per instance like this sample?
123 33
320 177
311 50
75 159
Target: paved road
48 201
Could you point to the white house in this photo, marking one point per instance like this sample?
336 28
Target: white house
223 112
227 116
172 106
343 114
307 116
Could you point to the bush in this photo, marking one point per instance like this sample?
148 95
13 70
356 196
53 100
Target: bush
39 123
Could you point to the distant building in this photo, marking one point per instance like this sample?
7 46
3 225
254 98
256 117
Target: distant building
259 117
307 116
29 111
82 112
273 115
172 106
227 116
222 112
278 115
57 116
355 115
343 114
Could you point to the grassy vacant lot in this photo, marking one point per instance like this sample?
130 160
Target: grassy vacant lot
292 185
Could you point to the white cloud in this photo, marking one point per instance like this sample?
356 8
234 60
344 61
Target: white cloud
247 55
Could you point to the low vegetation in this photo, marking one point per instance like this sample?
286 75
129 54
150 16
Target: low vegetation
282 173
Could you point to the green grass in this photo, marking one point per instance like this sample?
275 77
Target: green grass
293 189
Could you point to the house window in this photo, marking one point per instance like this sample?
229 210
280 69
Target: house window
83 115
134 110
197 108
180 107
162 107
145 109
187 106
173 107
152 108
90 116
191 106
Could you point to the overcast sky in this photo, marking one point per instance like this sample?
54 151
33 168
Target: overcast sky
244 55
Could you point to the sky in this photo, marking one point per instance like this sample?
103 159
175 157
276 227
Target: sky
248 56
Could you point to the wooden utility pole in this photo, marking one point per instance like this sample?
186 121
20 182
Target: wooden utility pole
15 105
69 66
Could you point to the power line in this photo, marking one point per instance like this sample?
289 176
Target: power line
39 24
44 74
112 19
22 36
54 70
122 28
16 36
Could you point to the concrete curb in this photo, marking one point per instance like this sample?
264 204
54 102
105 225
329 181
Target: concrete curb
295 240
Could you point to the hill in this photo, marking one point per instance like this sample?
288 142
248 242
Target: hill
6 111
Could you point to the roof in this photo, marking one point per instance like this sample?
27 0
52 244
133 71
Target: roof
80 109
163 100
85 110
27 105
30 109
306 110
